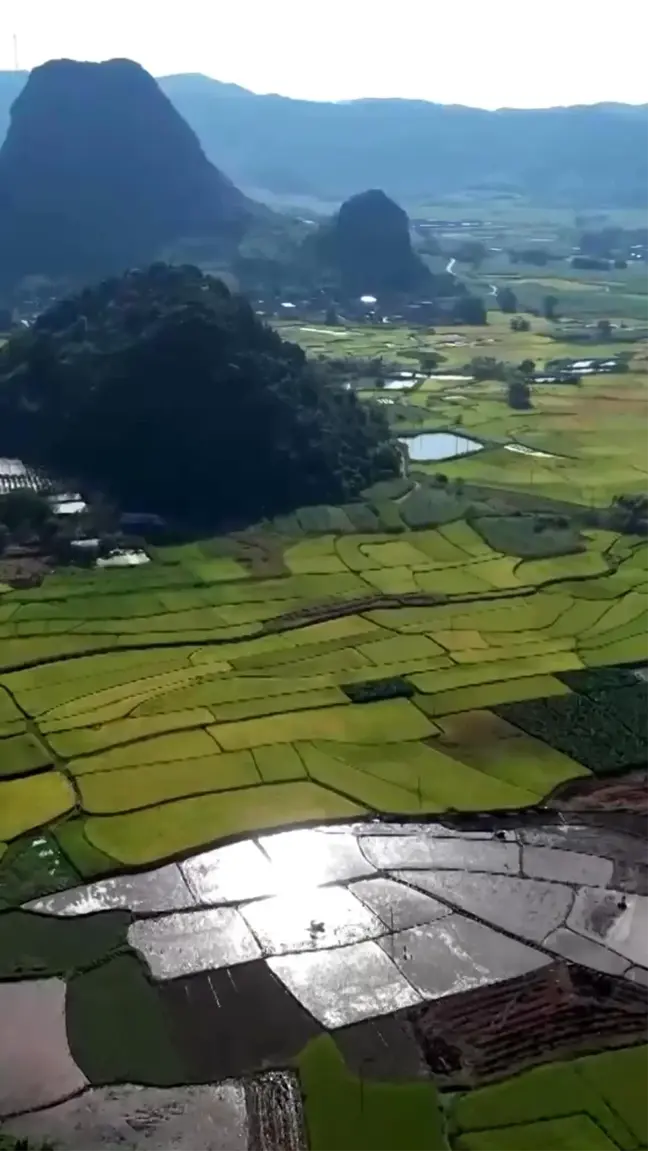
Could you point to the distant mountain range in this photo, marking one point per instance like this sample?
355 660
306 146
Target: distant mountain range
580 157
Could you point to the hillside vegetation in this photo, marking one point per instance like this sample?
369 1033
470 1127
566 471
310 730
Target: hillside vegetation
164 390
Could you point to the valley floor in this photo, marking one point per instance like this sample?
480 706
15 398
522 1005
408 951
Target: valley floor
330 834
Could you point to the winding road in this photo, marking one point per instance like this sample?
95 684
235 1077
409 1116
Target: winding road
451 272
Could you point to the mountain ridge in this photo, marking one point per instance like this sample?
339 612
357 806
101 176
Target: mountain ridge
580 156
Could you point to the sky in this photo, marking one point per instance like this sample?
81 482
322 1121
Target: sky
487 53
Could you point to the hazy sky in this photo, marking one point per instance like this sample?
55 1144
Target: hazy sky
484 52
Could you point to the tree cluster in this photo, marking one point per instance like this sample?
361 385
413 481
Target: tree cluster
488 368
28 522
164 391
534 256
470 252
519 394
469 310
591 263
549 306
507 299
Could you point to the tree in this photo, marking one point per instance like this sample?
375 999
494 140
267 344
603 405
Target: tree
629 514
507 299
430 360
11 1144
604 328
377 366
488 368
519 395
537 256
519 324
331 319
549 305
590 263
177 400
24 509
469 310
602 243
470 252
527 368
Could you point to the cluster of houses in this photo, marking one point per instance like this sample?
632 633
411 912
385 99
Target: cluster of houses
566 371
71 507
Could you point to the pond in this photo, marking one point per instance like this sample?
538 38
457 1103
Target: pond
465 379
439 446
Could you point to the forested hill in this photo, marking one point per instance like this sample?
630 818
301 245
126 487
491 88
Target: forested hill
581 157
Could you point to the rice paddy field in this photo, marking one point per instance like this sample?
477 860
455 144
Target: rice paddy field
146 712
502 228
454 647
620 294
592 437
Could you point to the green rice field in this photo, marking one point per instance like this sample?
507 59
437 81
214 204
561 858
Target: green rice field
464 639
146 712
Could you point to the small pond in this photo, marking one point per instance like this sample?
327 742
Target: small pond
439 446
438 376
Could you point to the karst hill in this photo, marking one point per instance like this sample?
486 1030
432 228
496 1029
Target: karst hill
99 172
367 248
165 391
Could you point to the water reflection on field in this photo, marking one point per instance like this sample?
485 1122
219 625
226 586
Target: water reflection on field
439 445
